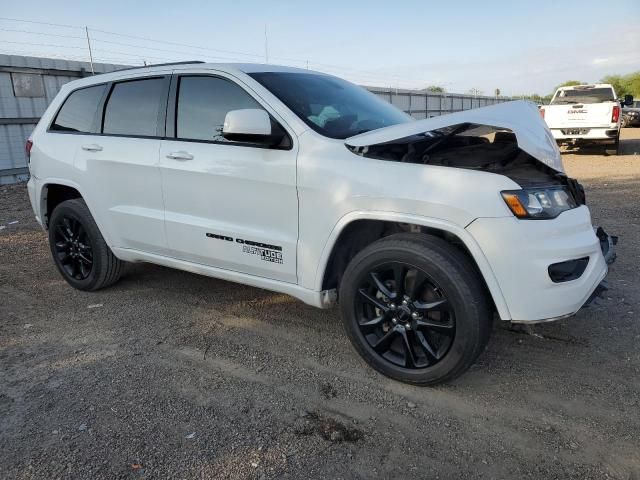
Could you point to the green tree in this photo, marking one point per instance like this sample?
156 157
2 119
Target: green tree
618 82
569 83
633 84
434 88
625 84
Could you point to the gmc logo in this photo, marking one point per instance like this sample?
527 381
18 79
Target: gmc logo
582 110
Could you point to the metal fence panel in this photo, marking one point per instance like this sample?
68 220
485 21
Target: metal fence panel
12 140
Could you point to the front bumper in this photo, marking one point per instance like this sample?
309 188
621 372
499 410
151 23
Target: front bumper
520 252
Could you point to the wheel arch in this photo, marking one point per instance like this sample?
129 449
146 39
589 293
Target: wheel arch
55 191
356 230
52 193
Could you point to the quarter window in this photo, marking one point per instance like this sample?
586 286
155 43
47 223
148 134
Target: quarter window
203 103
79 110
133 108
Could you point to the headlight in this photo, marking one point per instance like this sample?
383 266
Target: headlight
539 203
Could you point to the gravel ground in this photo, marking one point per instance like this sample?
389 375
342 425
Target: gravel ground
174 375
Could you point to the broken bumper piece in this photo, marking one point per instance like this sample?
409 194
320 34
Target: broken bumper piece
607 245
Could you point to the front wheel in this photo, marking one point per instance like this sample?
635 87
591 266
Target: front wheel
414 307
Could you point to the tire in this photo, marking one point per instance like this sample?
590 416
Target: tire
613 149
79 251
437 277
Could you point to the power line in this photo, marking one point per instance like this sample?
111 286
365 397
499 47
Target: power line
166 42
182 52
369 76
40 23
43 44
40 33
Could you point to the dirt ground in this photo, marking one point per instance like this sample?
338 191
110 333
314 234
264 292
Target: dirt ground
174 375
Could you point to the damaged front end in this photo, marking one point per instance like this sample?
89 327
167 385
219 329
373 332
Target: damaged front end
512 140
508 139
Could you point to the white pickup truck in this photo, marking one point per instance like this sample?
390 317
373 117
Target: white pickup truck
585 114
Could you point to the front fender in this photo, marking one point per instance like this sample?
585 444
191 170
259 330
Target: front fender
435 223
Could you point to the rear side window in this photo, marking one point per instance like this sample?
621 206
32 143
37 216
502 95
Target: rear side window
133 108
79 110
203 103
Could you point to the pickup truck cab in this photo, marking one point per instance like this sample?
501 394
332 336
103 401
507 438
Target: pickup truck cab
584 114
305 184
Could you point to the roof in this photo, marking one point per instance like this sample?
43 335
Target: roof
231 68
584 87
243 67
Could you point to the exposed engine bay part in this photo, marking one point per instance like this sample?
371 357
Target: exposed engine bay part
522 118
470 146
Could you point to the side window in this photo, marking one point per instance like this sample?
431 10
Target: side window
133 107
79 110
203 103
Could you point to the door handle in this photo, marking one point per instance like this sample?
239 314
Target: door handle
180 155
92 147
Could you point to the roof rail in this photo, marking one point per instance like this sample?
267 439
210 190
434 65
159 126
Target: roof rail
188 62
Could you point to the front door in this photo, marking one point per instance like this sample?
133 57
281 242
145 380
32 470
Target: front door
227 205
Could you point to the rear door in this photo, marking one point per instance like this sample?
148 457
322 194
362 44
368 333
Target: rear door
120 163
227 204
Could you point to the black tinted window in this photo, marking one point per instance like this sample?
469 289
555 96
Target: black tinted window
584 95
203 102
79 110
133 107
331 106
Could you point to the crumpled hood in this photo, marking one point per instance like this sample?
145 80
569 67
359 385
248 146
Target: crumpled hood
521 117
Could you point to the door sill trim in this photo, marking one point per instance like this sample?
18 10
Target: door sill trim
310 297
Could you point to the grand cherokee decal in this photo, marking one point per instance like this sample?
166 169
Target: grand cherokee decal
266 252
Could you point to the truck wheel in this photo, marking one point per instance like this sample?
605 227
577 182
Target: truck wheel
415 309
613 149
78 248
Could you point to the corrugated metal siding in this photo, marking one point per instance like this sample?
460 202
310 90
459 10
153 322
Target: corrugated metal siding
419 104
19 61
55 73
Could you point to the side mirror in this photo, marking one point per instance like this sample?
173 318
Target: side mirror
628 100
251 125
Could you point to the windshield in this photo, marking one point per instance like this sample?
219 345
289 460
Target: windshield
583 95
333 107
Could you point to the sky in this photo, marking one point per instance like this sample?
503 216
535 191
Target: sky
519 47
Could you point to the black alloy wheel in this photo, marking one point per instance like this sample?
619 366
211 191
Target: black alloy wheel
73 247
415 308
79 250
404 315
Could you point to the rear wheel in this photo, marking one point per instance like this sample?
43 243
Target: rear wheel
82 256
613 149
414 308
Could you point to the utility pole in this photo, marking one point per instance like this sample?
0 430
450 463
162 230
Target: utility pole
266 45
86 30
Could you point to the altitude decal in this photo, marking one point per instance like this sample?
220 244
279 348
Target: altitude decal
266 252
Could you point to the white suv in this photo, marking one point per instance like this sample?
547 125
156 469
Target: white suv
303 183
